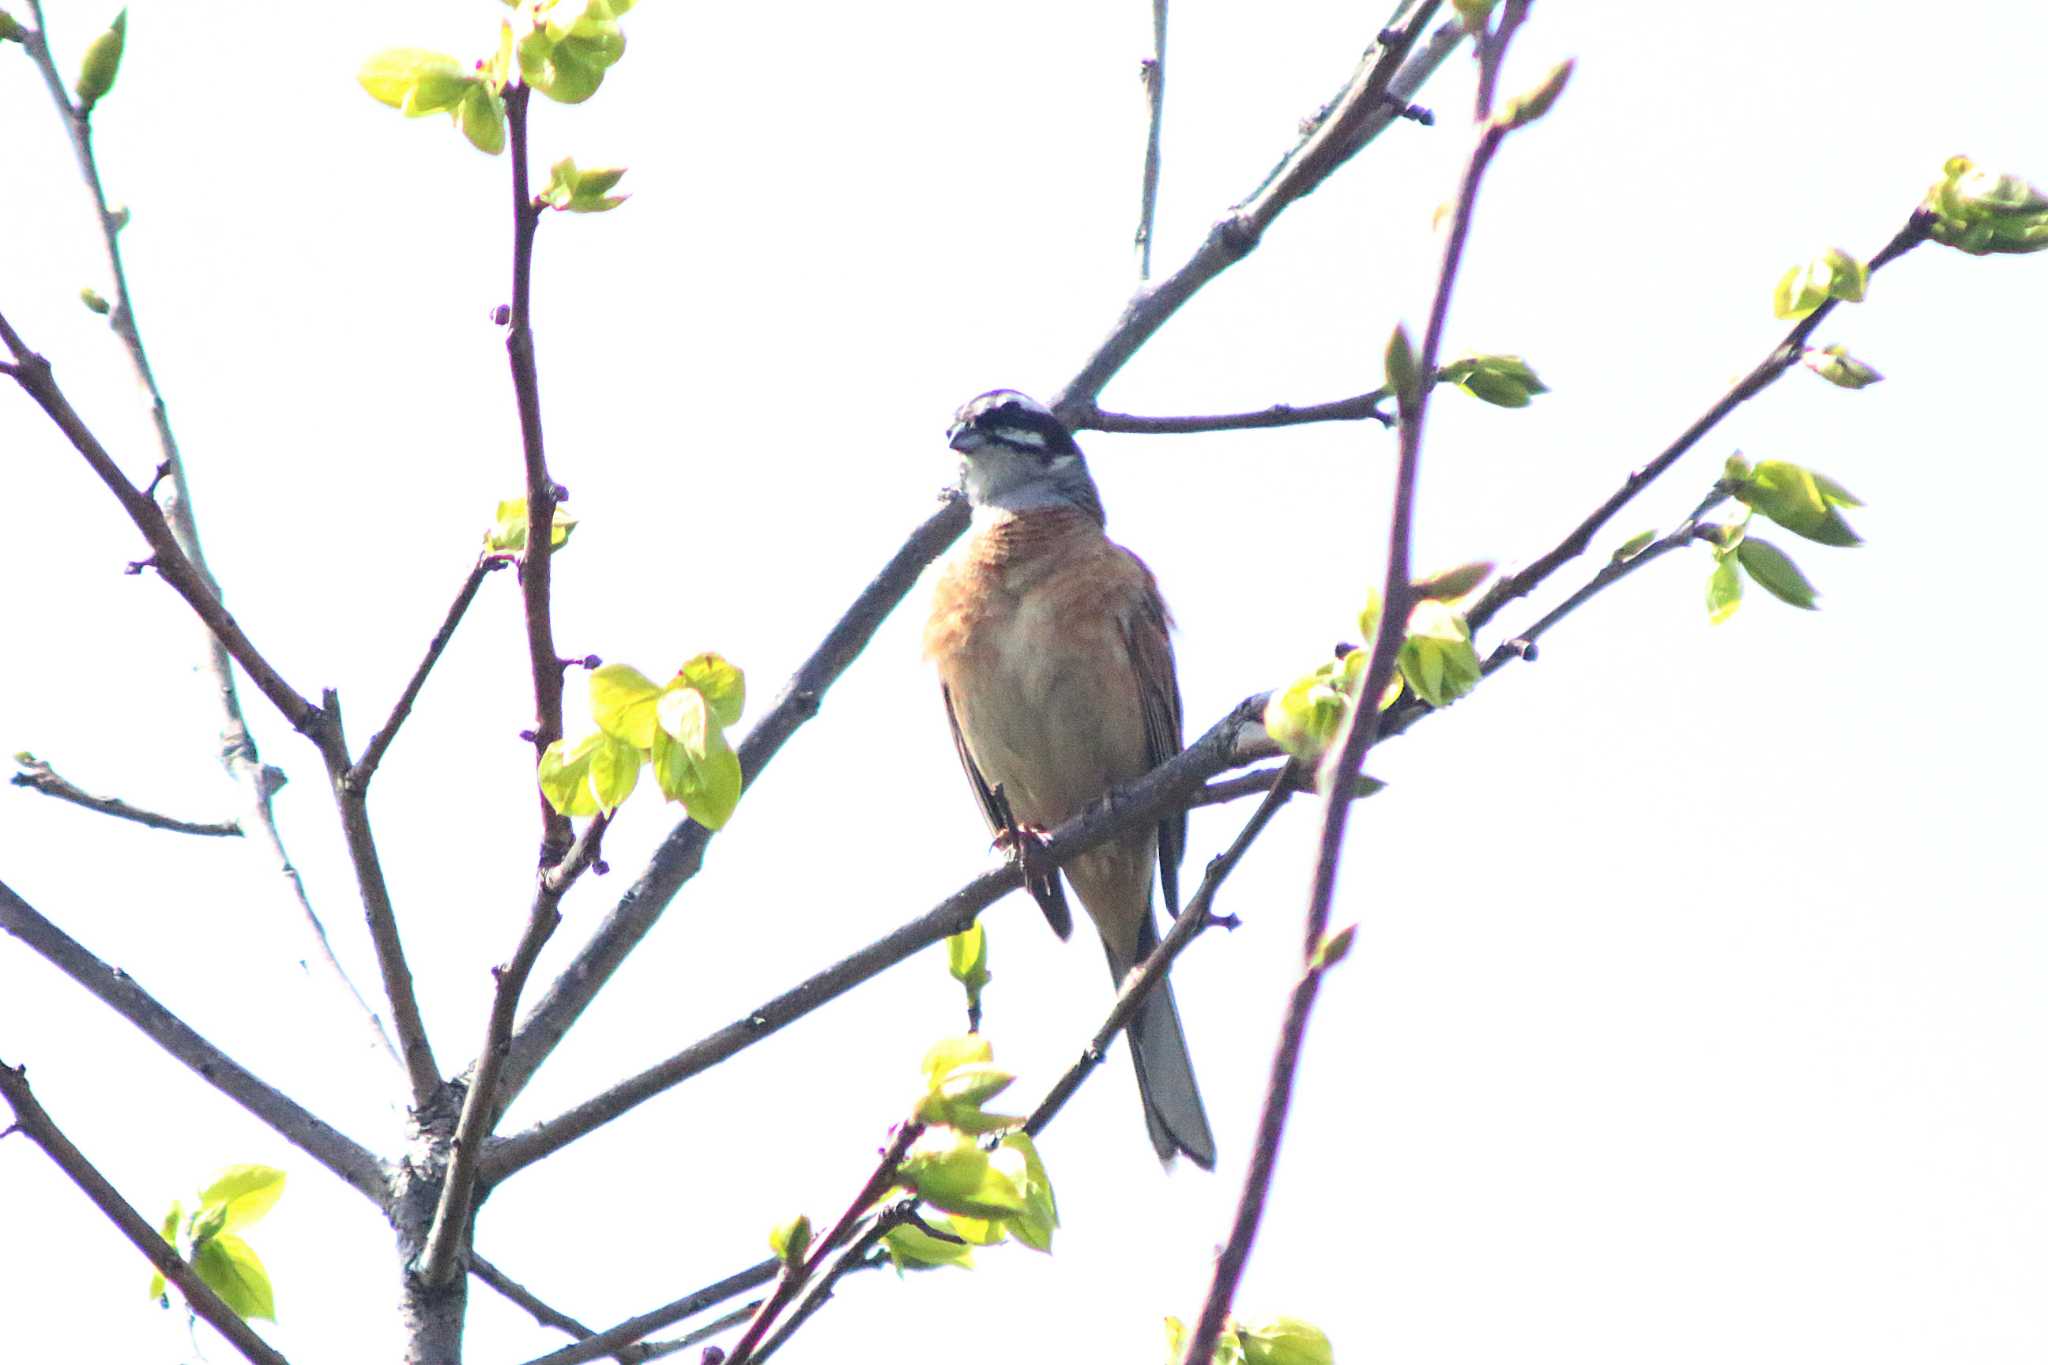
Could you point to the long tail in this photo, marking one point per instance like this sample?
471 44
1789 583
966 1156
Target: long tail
1166 1081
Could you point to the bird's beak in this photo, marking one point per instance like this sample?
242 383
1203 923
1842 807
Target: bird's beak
965 438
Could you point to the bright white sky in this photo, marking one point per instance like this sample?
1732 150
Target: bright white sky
1697 1012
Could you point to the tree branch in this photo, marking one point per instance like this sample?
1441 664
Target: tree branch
39 776
536 571
119 992
633 1329
446 1239
1154 75
1369 102
34 1123
1365 405
1237 739
373 754
1361 727
682 853
1783 357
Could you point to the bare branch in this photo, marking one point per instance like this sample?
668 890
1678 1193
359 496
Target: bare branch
1361 727
1369 102
373 754
1237 739
1783 357
119 992
34 1123
1153 73
682 853
633 1329
39 776
439 1261
1365 405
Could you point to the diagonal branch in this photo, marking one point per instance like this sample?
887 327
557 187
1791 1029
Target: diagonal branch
1154 74
34 1122
682 853
39 776
373 754
311 1135
1237 739
1365 405
633 1329
1378 91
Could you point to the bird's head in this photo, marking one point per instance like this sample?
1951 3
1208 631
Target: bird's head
1017 456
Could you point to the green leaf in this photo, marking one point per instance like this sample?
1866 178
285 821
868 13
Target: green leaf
1402 378
498 69
1834 274
1524 109
724 686
623 702
950 1054
1633 546
11 30
594 774
949 1169
1837 366
1034 1225
1437 659
1792 496
1505 381
912 1248
1284 1341
1984 213
483 119
1474 13
1229 1350
1334 948
246 1192
507 534
231 1270
967 960
1452 584
391 76
90 297
956 1102
790 1240
1774 572
437 90
1724 591
169 1232
693 761
101 63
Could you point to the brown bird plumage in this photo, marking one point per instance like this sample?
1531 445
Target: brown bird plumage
1058 676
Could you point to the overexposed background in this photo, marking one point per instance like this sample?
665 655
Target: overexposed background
1697 1011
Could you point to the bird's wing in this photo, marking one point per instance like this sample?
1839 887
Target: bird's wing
1046 889
1159 701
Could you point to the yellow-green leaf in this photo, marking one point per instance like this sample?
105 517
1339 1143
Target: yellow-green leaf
231 1270
623 702
723 684
102 62
390 76
483 119
246 1192
1724 591
1284 1341
790 1240
912 1248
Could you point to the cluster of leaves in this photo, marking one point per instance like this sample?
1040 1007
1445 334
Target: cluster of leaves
210 1241
1437 663
1803 502
1985 213
677 728
562 49
1275 1341
986 1194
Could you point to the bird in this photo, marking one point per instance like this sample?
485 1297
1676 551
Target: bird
1058 679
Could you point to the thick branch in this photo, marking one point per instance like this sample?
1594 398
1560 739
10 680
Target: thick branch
682 853
33 1122
1373 98
1365 405
1783 357
1237 739
1362 725
39 776
354 1164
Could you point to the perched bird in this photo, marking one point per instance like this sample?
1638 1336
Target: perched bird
1058 679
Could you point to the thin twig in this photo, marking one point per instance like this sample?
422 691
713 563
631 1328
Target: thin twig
1365 405
633 1329
39 776
1361 727
1194 918
354 1164
373 753
858 1257
1783 356
544 1313
536 572
1237 739
798 1272
34 1123
1357 115
447 1238
1154 75
682 853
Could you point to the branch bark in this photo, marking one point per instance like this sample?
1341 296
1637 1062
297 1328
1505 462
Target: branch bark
39 776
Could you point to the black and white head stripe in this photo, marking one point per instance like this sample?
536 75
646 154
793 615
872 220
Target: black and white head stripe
1017 421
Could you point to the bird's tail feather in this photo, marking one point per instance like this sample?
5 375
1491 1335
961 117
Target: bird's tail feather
1166 1081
